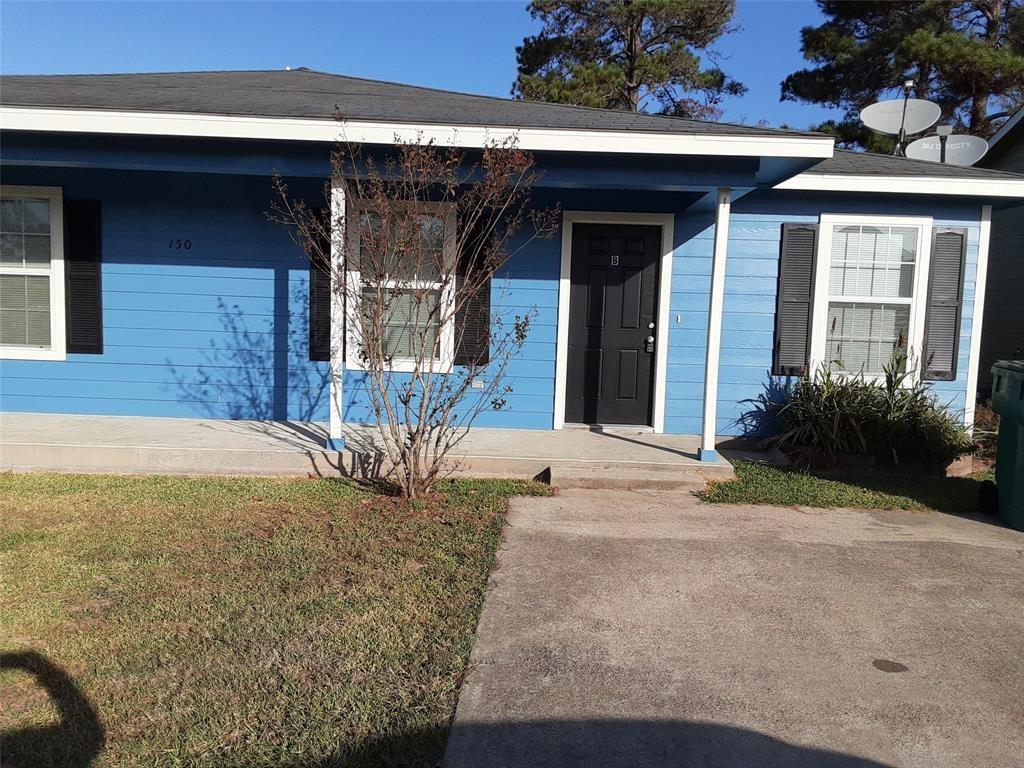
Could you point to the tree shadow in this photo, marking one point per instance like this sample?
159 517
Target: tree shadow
258 367
74 741
588 742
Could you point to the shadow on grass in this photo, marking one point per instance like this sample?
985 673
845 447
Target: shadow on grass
606 743
78 738
74 741
758 483
951 495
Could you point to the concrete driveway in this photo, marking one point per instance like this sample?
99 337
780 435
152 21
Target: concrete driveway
646 629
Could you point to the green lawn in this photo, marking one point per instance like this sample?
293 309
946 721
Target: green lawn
763 484
155 621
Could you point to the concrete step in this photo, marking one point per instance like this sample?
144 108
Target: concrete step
301 461
637 478
129 444
102 459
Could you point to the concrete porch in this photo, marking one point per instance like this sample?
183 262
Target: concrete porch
123 444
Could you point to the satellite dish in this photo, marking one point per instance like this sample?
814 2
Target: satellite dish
960 149
888 116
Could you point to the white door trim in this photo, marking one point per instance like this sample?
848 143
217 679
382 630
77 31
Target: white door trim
667 223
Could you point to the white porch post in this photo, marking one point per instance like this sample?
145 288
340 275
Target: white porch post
980 283
336 441
707 441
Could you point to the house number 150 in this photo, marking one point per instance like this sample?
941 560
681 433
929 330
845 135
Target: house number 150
179 245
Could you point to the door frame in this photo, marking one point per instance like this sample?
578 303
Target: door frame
667 223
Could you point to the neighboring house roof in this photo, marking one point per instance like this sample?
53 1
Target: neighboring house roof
305 93
1006 147
1015 122
871 164
867 172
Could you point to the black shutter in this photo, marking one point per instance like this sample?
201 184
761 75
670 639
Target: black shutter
473 320
319 304
83 290
795 300
945 300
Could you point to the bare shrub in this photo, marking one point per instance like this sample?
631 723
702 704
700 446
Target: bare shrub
412 258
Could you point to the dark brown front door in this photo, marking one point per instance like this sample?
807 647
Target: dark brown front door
612 304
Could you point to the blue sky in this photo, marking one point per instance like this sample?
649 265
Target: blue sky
465 46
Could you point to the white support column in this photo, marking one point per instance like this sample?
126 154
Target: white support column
980 281
336 441
707 441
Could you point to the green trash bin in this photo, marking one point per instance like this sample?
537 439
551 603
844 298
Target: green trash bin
1008 402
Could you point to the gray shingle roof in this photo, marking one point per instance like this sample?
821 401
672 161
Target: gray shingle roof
306 93
844 162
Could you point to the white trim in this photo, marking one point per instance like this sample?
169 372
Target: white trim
720 253
917 303
667 223
1005 128
913 185
445 361
377 132
980 283
337 323
58 344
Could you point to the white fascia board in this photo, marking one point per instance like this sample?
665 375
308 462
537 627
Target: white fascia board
1005 128
370 132
911 185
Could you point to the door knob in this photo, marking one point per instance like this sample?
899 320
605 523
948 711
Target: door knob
649 344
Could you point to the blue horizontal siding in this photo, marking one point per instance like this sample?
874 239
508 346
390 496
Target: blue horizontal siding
220 330
749 308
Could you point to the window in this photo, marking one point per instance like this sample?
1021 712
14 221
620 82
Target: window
411 288
870 292
31 273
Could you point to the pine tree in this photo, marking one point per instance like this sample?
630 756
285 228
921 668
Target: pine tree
639 55
966 56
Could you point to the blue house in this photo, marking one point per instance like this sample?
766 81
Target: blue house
140 275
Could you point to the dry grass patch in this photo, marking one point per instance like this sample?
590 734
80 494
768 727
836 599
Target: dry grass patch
237 621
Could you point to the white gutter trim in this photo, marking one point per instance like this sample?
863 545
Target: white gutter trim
1006 127
373 132
916 185
980 284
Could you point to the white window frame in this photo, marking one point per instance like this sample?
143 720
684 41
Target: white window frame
918 302
58 348
354 285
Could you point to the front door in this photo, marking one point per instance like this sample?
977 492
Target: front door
614 287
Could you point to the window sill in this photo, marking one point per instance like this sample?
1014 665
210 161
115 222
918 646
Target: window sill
401 366
26 353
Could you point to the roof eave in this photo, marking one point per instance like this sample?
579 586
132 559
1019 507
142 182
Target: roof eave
916 185
206 125
1006 128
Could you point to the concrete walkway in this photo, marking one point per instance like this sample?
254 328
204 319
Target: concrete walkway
31 441
645 629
